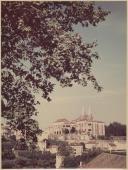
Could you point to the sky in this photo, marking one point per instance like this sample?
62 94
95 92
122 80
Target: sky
110 71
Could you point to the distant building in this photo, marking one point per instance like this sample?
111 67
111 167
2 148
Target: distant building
53 149
84 125
77 149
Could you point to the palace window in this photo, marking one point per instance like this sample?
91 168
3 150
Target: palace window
67 125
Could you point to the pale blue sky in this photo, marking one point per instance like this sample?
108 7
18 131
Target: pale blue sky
110 71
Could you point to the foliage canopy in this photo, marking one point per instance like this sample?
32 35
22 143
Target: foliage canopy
39 45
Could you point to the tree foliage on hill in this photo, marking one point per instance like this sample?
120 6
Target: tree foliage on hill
28 159
115 129
39 44
74 161
71 162
65 150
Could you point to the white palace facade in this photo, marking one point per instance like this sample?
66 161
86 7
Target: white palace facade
84 126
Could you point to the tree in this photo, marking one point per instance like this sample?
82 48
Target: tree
21 145
7 146
39 45
71 162
115 129
64 149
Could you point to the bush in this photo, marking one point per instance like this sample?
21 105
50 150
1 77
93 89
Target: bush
65 150
7 154
84 157
71 162
7 164
35 159
47 160
7 145
22 163
3 139
25 153
21 145
93 153
74 162
36 154
29 159
47 156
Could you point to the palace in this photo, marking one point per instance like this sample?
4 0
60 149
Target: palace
84 126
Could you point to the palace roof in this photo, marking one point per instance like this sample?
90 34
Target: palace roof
61 120
83 117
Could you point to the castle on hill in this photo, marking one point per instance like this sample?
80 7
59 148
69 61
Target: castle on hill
85 126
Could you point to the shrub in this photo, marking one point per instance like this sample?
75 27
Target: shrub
65 150
3 138
71 162
35 159
7 154
7 164
84 157
21 145
7 145
22 163
46 163
29 159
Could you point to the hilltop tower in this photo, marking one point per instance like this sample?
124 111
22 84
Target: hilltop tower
83 112
90 113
